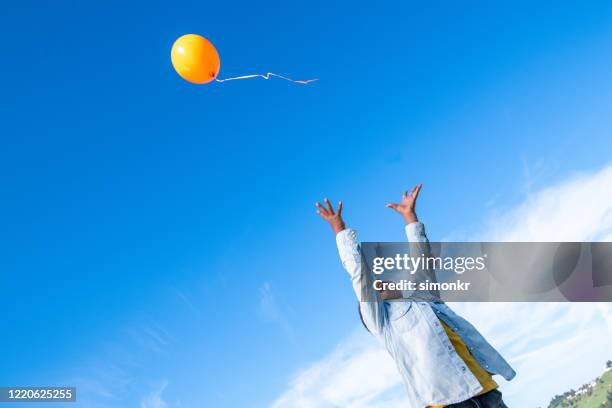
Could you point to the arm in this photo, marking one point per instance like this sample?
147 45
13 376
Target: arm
372 313
417 241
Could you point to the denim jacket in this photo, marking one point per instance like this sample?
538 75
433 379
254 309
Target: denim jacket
432 372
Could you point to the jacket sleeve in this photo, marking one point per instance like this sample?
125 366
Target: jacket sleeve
372 313
417 239
415 232
419 247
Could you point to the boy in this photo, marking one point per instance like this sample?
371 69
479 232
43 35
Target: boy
443 360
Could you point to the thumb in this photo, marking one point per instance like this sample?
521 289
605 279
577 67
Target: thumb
392 206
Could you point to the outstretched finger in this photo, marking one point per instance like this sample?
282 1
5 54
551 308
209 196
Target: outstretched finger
329 207
321 210
417 190
392 206
339 207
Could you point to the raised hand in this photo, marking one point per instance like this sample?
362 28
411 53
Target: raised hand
406 207
334 218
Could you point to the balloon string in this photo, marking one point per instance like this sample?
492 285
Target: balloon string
267 76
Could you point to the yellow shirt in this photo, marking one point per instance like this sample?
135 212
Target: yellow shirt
484 378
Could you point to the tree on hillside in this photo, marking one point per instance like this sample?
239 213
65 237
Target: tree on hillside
608 364
608 402
557 399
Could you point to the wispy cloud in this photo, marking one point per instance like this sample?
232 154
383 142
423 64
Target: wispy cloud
109 377
553 345
149 336
100 381
187 301
269 310
154 398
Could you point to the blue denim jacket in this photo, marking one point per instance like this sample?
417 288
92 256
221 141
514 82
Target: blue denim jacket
431 370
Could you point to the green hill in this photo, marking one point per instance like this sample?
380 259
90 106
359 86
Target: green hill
597 394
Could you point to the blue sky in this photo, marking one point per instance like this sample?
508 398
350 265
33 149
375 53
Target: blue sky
159 235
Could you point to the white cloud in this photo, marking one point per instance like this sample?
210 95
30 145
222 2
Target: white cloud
553 346
579 209
337 377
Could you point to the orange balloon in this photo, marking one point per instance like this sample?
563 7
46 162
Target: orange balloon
195 59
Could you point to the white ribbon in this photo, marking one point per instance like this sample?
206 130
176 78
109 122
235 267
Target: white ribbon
267 76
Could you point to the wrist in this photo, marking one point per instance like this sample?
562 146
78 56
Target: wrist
410 218
338 227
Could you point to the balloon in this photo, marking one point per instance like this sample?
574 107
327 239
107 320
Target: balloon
195 59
